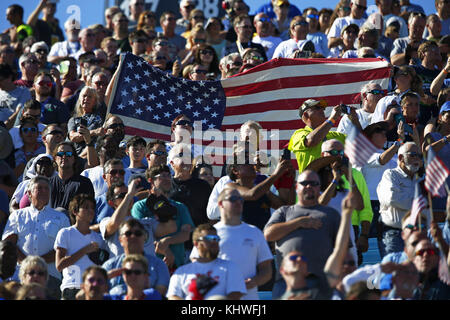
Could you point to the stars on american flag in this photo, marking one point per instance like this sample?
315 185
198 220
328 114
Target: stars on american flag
149 94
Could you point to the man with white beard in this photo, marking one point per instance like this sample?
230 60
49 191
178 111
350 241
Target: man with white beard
396 193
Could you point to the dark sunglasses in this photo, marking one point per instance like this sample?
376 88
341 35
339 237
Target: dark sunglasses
116 125
55 132
200 71
199 40
137 233
257 58
42 51
34 272
336 152
264 20
159 153
206 52
62 154
185 122
26 130
313 16
93 280
300 23
120 195
294 257
113 172
44 83
209 238
376 91
234 198
415 227
129 272
312 183
430 252
361 7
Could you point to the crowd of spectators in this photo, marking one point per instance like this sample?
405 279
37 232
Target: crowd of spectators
88 213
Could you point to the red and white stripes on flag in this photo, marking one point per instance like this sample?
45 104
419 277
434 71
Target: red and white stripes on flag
419 203
436 173
271 94
358 148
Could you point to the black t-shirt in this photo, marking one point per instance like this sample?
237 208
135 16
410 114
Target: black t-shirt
62 192
257 212
194 193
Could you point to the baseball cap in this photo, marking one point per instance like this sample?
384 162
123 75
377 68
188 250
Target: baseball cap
445 107
279 3
311 103
39 45
374 127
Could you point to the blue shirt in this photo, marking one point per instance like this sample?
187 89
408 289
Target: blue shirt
149 294
268 9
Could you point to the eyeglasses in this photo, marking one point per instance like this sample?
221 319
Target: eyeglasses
129 272
159 153
55 132
300 23
294 257
26 130
256 58
313 16
345 8
358 6
113 172
120 196
93 280
312 183
116 125
136 233
209 238
200 71
206 52
430 252
35 272
62 154
415 227
41 51
185 122
376 92
44 83
262 20
234 198
336 152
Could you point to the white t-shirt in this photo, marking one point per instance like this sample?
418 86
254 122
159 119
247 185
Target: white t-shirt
373 172
340 23
345 124
226 273
269 43
285 48
246 246
113 243
212 209
73 240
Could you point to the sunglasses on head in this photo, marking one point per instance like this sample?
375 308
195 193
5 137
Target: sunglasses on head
430 252
62 154
301 23
294 257
209 238
129 272
336 152
312 183
55 132
137 233
116 125
113 172
185 122
26 130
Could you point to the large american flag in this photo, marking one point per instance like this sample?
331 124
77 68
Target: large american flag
436 173
148 99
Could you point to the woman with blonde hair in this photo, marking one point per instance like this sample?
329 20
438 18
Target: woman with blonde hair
85 117
146 19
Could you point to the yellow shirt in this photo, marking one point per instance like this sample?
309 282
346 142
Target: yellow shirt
305 155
